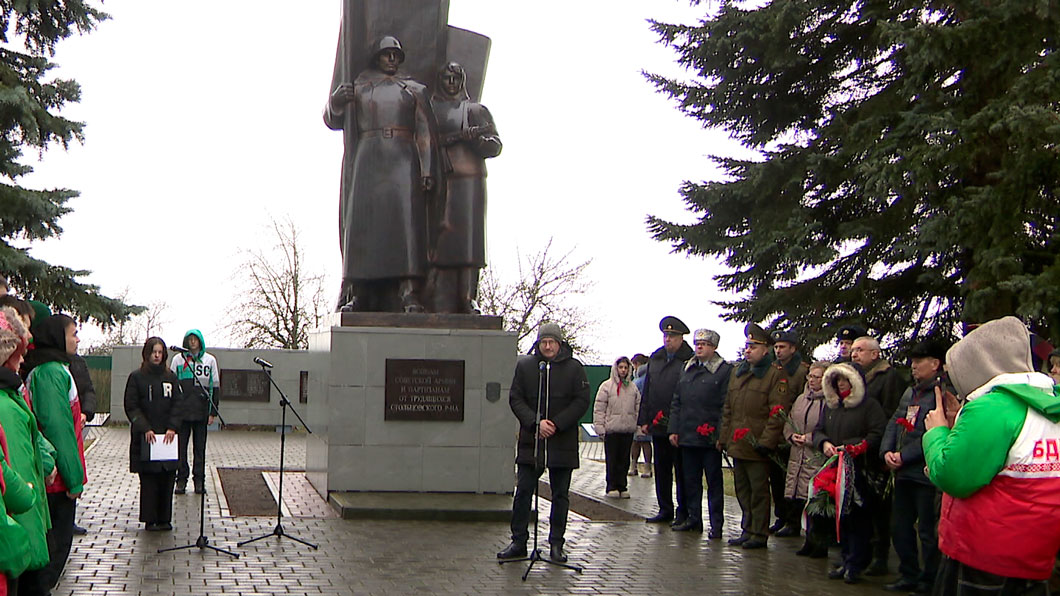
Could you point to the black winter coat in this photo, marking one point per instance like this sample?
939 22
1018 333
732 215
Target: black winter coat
922 399
851 420
885 385
698 400
86 392
153 401
568 400
659 385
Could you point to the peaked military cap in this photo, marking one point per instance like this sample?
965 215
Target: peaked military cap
851 332
787 336
672 324
756 334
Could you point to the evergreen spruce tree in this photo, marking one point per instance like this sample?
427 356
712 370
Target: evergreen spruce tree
909 168
29 106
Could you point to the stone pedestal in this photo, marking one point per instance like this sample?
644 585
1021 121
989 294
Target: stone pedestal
353 448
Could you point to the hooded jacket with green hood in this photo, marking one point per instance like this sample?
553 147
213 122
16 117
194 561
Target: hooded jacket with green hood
999 466
201 365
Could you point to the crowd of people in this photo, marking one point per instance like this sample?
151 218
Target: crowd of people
46 398
957 468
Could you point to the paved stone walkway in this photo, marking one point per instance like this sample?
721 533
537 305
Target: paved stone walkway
396 557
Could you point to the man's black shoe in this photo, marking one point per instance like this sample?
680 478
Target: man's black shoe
153 526
754 543
200 489
852 577
513 551
837 573
689 525
679 520
878 567
660 518
819 552
787 531
165 527
180 489
805 551
923 588
79 531
777 525
715 534
902 585
739 540
556 553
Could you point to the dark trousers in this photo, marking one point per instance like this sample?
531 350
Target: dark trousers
526 478
196 431
751 481
39 582
669 469
616 454
855 538
156 497
778 478
881 525
957 579
914 515
699 462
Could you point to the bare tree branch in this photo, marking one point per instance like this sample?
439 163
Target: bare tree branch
279 302
542 293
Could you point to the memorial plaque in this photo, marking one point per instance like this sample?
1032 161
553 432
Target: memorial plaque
424 390
244 385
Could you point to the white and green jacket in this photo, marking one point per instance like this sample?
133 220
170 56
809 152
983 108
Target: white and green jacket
999 467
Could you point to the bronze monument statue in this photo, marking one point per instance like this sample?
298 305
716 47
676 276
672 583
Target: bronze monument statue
383 215
466 137
412 195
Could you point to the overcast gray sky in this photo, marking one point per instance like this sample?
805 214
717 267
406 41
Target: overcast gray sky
204 121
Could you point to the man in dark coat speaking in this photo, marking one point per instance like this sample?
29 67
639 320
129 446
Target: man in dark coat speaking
554 441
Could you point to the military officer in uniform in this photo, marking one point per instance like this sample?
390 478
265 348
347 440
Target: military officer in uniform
750 435
791 363
846 336
664 370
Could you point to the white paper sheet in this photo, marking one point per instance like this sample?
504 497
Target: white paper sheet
161 451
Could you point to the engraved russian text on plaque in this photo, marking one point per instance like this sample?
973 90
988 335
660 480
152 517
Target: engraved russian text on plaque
424 390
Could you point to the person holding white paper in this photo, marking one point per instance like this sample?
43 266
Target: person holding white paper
152 396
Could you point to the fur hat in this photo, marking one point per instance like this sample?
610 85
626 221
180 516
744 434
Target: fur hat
929 348
991 349
706 335
854 375
552 330
12 335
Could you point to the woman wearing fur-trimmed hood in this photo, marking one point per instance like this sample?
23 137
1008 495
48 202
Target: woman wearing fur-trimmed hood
851 420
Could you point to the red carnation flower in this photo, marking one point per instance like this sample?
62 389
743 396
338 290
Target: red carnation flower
856 450
658 417
739 434
705 429
775 410
902 422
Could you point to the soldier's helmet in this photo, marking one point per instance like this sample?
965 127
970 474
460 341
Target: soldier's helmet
388 42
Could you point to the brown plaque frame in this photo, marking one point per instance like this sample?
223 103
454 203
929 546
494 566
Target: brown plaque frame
424 390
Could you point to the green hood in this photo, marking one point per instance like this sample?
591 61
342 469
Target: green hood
1037 398
202 342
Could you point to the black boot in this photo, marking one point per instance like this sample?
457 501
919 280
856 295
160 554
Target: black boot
555 552
513 551
689 525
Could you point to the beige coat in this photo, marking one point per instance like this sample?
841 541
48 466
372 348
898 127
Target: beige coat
806 412
617 405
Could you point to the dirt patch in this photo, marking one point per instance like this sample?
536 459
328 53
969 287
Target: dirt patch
591 508
246 491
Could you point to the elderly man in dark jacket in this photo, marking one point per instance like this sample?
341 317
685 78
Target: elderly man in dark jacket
548 434
903 453
695 416
884 385
664 369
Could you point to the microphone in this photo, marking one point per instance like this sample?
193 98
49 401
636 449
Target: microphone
178 349
262 362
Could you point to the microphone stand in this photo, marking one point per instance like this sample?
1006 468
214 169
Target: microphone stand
202 541
543 390
284 404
